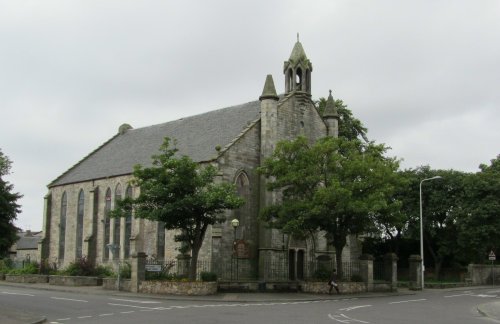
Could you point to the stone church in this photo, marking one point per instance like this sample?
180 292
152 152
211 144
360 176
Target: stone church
235 140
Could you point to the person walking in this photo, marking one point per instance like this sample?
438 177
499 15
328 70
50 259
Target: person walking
333 282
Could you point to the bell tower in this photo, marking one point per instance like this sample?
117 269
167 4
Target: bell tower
297 71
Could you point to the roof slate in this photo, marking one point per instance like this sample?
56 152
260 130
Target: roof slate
196 136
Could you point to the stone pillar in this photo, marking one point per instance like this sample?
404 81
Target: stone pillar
415 272
366 270
138 269
391 270
44 243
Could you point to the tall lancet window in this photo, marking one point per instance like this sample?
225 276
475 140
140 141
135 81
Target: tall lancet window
128 226
243 213
79 224
117 222
107 209
62 226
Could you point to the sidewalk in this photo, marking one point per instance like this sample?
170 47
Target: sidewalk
490 310
13 316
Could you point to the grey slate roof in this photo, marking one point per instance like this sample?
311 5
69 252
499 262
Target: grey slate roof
197 136
28 242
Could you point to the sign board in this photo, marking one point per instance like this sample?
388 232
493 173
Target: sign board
492 256
153 267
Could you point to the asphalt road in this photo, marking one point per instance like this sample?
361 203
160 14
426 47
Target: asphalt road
430 306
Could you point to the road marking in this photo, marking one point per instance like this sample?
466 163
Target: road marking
20 294
354 307
135 306
408 301
64 319
485 296
107 314
69 299
137 301
88 316
128 312
345 319
461 295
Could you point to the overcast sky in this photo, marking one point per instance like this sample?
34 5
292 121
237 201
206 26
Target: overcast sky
423 76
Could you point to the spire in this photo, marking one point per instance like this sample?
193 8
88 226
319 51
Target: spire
269 91
330 109
298 70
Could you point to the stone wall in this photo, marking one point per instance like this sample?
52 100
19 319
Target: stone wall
323 287
197 288
74 281
483 274
110 284
33 278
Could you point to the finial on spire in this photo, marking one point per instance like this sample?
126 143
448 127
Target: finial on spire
297 37
330 92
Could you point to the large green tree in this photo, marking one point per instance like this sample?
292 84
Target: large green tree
335 185
479 224
8 207
183 195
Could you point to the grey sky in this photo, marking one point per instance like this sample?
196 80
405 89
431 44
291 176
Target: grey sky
423 76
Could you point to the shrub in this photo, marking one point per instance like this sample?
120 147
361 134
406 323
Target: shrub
29 268
126 271
80 267
208 276
5 265
356 278
322 274
103 271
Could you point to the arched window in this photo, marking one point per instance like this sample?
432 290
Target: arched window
243 213
128 225
79 224
62 226
117 222
160 241
107 209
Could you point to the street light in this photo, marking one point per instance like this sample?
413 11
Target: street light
235 223
422 227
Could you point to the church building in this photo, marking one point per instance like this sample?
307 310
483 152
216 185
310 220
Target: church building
235 140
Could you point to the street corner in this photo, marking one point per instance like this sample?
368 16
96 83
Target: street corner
490 310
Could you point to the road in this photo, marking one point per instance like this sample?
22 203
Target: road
430 306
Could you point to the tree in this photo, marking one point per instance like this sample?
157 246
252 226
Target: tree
183 195
8 208
333 185
479 224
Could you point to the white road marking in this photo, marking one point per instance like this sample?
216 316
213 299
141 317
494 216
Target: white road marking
64 319
107 314
408 301
135 306
69 299
345 319
461 295
127 312
84 316
485 296
354 307
20 294
137 301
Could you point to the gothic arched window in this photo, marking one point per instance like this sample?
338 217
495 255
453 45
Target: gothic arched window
128 225
243 213
107 209
62 226
117 222
79 224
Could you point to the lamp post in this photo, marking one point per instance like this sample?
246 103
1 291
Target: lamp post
422 227
235 223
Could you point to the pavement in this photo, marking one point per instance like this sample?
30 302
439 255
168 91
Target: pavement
15 316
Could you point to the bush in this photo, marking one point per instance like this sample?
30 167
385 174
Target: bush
356 278
103 271
126 271
80 267
322 274
208 276
5 265
29 268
